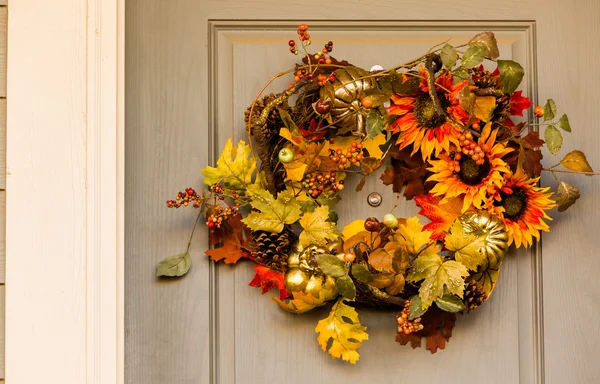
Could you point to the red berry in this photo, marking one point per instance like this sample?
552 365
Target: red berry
291 43
322 107
211 224
372 224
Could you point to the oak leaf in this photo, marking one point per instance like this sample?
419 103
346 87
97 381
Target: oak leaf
437 330
317 227
442 215
406 170
437 274
268 279
234 167
343 328
518 103
274 213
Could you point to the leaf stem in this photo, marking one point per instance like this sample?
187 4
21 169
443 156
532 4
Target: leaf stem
575 172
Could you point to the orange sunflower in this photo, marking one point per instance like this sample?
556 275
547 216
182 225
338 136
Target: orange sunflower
522 206
473 179
419 123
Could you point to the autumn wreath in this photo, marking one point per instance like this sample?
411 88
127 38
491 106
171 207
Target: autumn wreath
452 132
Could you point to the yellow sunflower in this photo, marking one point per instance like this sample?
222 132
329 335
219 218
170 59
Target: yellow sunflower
460 175
522 206
420 124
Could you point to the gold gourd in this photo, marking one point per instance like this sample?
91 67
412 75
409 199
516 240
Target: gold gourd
349 88
304 274
495 234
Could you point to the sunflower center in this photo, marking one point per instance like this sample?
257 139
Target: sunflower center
472 173
425 112
514 204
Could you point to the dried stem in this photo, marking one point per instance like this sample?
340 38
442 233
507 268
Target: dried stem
575 172
431 83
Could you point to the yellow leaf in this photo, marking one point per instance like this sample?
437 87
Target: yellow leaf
381 258
469 247
286 134
295 170
304 302
576 161
274 213
365 237
396 286
411 235
483 108
353 228
371 145
234 167
317 228
343 328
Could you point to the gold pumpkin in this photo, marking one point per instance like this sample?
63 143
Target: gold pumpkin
495 234
350 87
304 275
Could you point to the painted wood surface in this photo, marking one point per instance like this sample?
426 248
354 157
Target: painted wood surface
168 323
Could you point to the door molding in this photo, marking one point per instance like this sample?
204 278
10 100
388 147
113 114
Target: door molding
65 144
224 34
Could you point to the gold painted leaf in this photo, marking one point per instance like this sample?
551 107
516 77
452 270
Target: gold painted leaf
317 228
567 196
576 161
467 246
487 278
437 274
488 41
345 332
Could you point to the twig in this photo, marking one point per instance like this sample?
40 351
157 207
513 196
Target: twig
575 172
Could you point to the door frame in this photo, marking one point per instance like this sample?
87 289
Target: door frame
87 41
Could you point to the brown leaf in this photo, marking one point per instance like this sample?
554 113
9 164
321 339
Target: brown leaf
381 258
567 195
533 139
229 241
531 159
409 170
382 280
437 330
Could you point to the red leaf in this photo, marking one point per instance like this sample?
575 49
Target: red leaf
314 132
269 279
518 103
229 241
442 216
437 330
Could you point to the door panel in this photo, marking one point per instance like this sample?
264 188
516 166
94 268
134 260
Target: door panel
190 74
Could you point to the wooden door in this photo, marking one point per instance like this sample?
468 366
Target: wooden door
191 70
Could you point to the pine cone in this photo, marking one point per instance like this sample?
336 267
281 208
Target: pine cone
274 120
474 295
271 249
485 79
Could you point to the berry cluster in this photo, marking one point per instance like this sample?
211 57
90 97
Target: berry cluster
321 54
353 156
318 182
303 33
185 198
468 147
221 215
408 326
322 79
301 74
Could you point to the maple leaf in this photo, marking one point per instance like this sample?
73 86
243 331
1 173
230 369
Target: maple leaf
409 170
229 241
317 228
468 246
307 155
437 330
518 103
274 213
437 274
412 236
314 131
442 215
234 167
268 279
533 140
304 302
343 328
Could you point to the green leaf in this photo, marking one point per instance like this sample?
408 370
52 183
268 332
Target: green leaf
437 274
554 139
467 246
374 123
576 161
345 287
567 196
176 265
460 74
274 213
511 74
361 273
450 303
416 308
234 167
331 265
317 227
448 56
473 57
549 110
488 41
563 123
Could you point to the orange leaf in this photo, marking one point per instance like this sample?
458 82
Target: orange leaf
268 279
381 258
230 252
441 215
363 237
229 241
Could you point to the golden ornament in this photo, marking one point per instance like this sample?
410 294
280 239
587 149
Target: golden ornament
496 237
304 274
349 88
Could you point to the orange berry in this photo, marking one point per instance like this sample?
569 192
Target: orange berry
341 166
290 86
296 78
343 160
340 186
457 157
367 102
461 137
338 151
307 36
359 146
324 50
354 144
456 169
328 61
468 135
475 157
350 257
539 111
302 27
476 126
